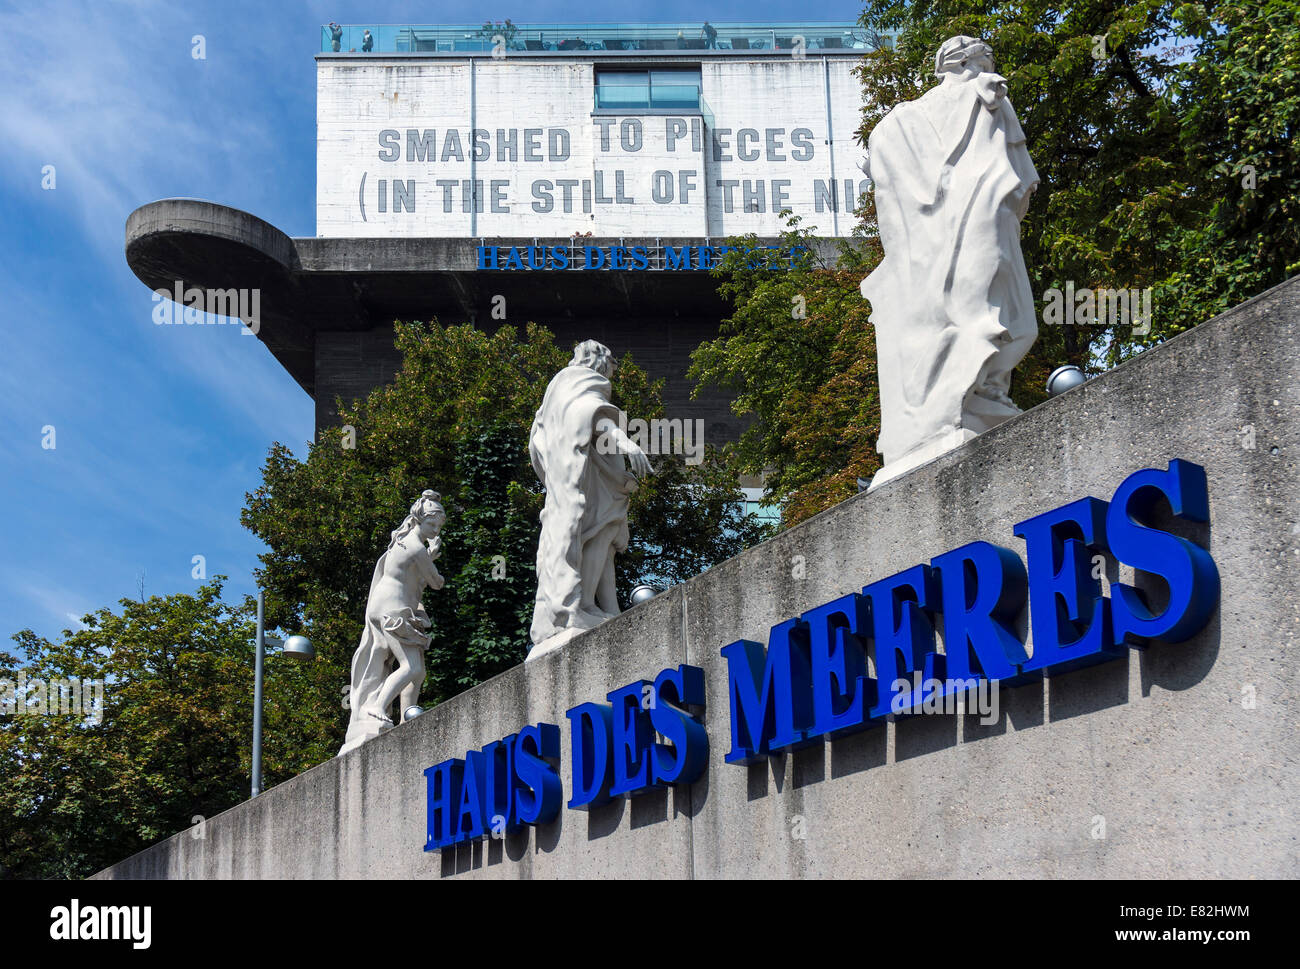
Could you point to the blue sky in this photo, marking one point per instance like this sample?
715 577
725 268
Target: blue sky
160 430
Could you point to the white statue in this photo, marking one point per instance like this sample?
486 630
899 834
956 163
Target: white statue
950 301
389 663
577 446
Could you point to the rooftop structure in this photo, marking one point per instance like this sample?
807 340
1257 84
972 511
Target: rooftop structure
603 38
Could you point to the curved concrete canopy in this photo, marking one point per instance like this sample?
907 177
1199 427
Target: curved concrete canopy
195 243
311 286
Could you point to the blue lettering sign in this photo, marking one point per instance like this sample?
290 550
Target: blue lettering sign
629 258
771 701
614 748
509 783
812 680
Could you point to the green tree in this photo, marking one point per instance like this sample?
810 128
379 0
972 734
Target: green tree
172 740
1240 97
486 606
799 355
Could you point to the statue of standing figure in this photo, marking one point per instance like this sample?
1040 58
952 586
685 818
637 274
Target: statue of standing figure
389 663
577 445
950 301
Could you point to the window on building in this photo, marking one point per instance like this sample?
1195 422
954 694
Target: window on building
673 89
753 506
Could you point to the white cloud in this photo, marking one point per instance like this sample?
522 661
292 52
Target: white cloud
160 429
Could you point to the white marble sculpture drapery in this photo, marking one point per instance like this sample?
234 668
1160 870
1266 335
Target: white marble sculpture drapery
584 519
951 300
389 662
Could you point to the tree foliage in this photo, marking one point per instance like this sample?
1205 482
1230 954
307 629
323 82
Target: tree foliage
1241 97
1164 136
799 355
171 742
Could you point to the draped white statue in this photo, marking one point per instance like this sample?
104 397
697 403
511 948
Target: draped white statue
389 663
577 445
950 301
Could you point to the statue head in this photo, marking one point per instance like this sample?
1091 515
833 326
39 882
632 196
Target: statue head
428 510
595 356
957 55
426 516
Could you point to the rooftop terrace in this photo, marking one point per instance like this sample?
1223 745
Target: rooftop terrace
572 37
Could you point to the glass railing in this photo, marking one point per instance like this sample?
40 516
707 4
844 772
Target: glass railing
573 37
613 96
640 97
647 96
674 96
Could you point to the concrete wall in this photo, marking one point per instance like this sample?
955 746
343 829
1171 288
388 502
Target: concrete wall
1190 781
780 135
350 365
821 95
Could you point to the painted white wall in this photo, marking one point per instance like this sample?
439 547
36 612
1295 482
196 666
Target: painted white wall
568 171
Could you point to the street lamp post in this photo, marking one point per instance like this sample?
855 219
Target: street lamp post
257 696
295 647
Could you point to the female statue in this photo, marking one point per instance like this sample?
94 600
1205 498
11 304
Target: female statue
389 663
